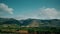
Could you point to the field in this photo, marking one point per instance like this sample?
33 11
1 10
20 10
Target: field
28 30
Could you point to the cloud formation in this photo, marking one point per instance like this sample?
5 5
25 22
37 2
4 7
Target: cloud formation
42 13
5 8
49 13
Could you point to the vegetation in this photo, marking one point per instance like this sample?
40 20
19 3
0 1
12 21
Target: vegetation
12 25
13 28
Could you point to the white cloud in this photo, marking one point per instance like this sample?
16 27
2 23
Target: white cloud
49 13
5 8
42 13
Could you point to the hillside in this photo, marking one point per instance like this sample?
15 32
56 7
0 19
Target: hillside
9 21
30 22
42 23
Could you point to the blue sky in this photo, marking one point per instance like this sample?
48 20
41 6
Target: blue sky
21 9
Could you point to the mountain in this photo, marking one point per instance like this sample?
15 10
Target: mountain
32 22
41 23
26 22
9 21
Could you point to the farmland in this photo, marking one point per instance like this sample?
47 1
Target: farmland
28 30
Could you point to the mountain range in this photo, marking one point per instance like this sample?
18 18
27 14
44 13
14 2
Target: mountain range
31 22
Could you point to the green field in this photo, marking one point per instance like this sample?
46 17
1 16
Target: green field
13 28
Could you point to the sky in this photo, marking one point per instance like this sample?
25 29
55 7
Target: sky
24 9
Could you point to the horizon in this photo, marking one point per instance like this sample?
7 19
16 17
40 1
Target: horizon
30 18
